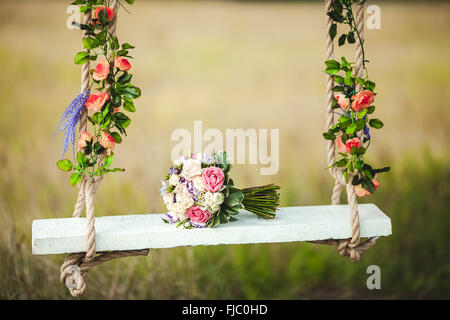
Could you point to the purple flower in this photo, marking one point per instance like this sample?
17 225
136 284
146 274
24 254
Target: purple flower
164 187
192 190
172 219
366 132
208 158
70 119
198 224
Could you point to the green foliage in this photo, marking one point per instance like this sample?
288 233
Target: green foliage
98 42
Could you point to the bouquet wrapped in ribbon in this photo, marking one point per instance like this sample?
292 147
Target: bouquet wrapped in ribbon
198 192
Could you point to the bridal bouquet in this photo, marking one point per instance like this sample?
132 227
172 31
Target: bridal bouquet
198 192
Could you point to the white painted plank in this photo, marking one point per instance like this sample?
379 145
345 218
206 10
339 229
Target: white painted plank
127 232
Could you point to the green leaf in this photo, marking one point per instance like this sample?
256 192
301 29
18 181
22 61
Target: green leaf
349 81
109 159
90 43
376 123
338 79
128 105
117 137
370 109
234 199
124 78
341 40
333 31
65 165
351 37
127 46
129 1
341 163
81 159
75 178
329 136
332 64
368 184
81 57
362 113
332 72
351 129
360 124
131 92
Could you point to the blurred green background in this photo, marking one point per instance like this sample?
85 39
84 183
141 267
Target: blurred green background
232 65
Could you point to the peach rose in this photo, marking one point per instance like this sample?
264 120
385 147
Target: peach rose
106 140
109 12
340 145
96 101
213 178
122 64
353 142
361 192
342 101
362 100
101 70
197 215
83 139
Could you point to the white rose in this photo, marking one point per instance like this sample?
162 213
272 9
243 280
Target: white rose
168 198
180 216
174 179
198 183
191 168
212 201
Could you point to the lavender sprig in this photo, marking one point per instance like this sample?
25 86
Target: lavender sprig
69 120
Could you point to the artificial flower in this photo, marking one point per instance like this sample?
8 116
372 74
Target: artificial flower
106 140
362 100
342 101
213 178
353 142
101 70
84 138
122 64
191 168
96 101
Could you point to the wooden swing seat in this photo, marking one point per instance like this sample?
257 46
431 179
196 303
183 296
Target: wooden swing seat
134 232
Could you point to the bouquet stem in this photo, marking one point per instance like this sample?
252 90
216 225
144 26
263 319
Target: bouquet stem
262 201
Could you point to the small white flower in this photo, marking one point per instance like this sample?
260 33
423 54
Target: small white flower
178 162
174 179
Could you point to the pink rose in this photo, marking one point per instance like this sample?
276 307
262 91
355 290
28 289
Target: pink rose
196 214
340 145
106 140
122 64
101 70
342 101
213 178
361 192
362 100
353 142
84 138
96 101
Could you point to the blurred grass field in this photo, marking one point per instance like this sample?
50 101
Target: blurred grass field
233 66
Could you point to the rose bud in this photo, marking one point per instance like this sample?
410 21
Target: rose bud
101 70
84 138
340 145
342 101
361 192
122 64
96 101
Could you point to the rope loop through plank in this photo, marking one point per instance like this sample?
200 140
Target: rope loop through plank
351 247
76 266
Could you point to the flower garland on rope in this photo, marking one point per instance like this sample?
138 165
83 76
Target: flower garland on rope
111 89
351 132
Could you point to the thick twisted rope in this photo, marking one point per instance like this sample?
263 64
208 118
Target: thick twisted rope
76 266
346 247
